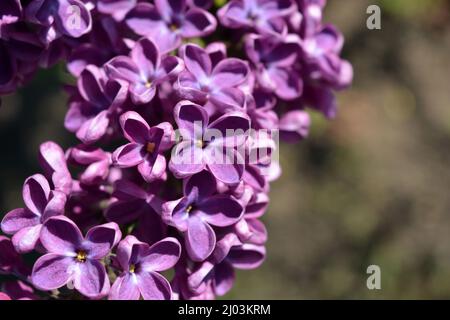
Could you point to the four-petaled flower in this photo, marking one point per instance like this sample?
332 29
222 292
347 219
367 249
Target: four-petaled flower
144 70
145 147
209 145
141 265
198 210
219 84
73 258
41 203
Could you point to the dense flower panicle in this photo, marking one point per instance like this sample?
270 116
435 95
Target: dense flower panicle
177 108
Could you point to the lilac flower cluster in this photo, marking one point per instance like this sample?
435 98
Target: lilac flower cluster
153 79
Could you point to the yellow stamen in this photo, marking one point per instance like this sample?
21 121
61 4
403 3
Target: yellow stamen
173 27
148 84
189 209
132 268
150 147
81 256
199 143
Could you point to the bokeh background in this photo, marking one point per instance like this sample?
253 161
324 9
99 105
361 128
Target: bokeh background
370 187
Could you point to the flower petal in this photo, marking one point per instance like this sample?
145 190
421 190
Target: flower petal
224 277
134 127
191 119
200 239
73 18
61 235
36 192
94 129
220 210
154 286
125 288
125 251
90 279
129 155
230 72
198 23
162 256
205 183
145 55
197 61
123 68
152 168
51 271
18 219
101 239
90 87
55 206
26 239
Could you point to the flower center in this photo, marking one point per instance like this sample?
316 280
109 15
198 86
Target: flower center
199 143
132 268
148 84
150 147
81 256
173 27
189 209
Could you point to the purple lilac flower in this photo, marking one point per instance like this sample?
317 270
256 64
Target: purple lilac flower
264 16
274 63
203 82
96 101
214 192
167 22
143 70
202 146
141 265
41 203
72 258
145 147
198 210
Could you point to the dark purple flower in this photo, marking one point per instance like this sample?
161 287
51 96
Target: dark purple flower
71 257
10 260
198 210
202 82
275 64
146 146
143 70
207 145
18 290
167 22
41 203
264 16
141 265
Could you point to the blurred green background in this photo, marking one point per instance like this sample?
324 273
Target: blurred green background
370 187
